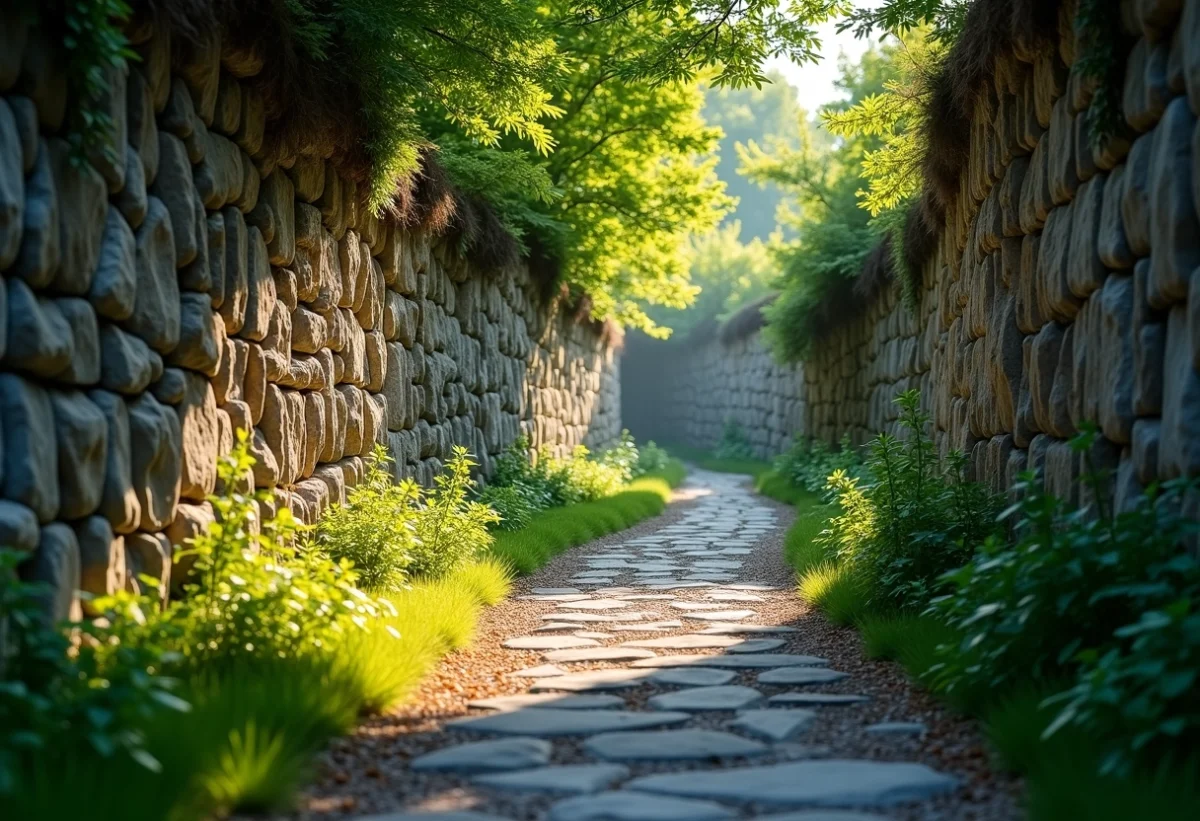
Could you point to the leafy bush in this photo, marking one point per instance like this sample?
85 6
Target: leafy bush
733 444
89 693
914 519
451 530
511 505
548 481
809 463
1073 587
375 530
651 459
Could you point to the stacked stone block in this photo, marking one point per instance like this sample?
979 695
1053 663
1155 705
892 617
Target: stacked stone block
190 282
1065 289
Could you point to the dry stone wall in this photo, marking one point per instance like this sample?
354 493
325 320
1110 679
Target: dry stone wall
1065 291
158 297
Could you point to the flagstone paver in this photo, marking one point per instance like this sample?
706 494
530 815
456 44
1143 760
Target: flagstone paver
558 701
830 783
801 675
487 756
572 778
545 722
623 806
694 699
672 745
774 725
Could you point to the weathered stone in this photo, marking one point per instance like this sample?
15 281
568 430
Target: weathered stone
278 193
56 564
1174 228
486 756
260 288
143 129
774 725
671 745
42 80
199 437
155 316
39 255
572 778
806 783
101 559
201 336
81 435
18 527
12 187
39 339
625 806
728 697
131 199
148 554
30 474
119 502
127 365
155 464
114 287
1179 447
547 723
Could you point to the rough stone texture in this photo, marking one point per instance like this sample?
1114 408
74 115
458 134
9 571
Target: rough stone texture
1054 299
193 281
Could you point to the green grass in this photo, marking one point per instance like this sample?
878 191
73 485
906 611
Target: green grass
909 639
704 459
835 592
559 528
774 485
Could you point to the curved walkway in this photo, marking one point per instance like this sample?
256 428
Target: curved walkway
665 673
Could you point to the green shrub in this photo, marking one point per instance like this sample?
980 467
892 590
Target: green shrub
511 505
623 456
92 705
733 444
915 518
1073 588
375 530
809 463
589 479
913 640
451 530
651 459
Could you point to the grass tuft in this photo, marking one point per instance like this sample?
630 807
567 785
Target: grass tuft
774 485
835 592
909 639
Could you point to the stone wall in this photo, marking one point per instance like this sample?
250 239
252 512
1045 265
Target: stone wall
195 281
1064 290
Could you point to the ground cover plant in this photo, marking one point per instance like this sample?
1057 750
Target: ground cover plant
708 460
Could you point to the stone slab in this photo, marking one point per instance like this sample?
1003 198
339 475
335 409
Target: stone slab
686 641
755 646
830 783
732 629
818 699
801 675
449 815
623 806
897 728
692 676
545 722
548 643
672 745
576 779
540 671
556 700
598 618
742 661
486 756
592 680
554 591
598 654
720 615
595 604
697 699
774 725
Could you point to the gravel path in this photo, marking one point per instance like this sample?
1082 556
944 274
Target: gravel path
752 687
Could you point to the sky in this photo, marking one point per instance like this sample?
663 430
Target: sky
815 83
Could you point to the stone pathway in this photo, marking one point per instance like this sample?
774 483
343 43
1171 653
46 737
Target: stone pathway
658 685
